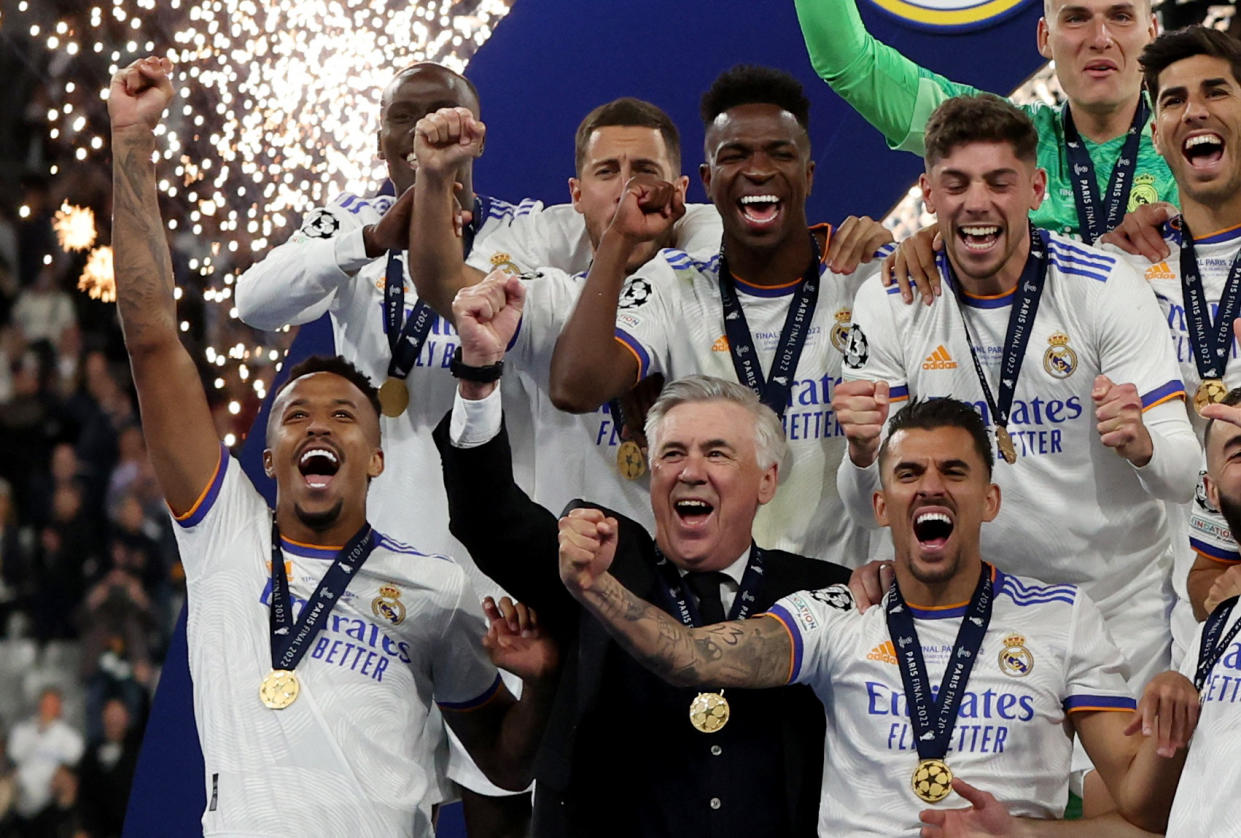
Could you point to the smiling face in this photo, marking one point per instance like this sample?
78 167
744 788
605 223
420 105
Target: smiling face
612 155
322 450
707 483
1095 45
414 93
758 174
936 495
982 194
1223 479
1197 128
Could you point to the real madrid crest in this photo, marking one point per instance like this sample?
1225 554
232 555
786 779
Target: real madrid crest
1142 192
1015 658
840 332
1059 360
388 605
504 262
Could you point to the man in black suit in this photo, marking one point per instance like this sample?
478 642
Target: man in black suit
625 754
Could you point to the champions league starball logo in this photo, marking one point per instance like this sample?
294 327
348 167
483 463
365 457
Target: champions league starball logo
939 15
637 292
837 596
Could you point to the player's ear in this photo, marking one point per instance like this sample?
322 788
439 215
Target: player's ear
924 183
575 193
704 173
1044 38
991 502
268 468
682 185
1211 489
810 177
1039 182
880 505
375 466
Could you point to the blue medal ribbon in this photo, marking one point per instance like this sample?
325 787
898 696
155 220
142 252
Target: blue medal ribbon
1211 342
289 641
672 586
1085 186
1212 648
407 335
1020 323
933 717
773 391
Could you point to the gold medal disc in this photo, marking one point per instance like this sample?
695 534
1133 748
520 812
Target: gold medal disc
393 397
629 460
708 712
1210 391
1007 450
279 689
932 780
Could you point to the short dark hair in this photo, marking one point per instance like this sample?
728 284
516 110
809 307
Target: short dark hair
435 65
930 414
1171 47
1232 400
628 112
749 84
336 365
982 118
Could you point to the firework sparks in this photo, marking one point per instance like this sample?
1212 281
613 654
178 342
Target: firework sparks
97 279
74 226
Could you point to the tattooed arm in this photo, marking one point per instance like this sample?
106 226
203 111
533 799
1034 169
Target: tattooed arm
740 653
176 421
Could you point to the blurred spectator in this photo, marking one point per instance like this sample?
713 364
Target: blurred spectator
14 560
38 747
107 771
62 818
43 310
66 555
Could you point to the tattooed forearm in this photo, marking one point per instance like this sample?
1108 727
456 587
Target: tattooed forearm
750 653
141 260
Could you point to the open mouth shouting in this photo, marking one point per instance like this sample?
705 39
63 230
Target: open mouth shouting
979 238
933 526
760 211
1204 150
692 513
318 464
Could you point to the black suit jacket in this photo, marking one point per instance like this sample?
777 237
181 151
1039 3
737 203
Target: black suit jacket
619 756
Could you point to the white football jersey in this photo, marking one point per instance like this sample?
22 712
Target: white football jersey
324 268
1045 654
1074 511
671 317
350 756
556 236
577 453
1204 803
1207 531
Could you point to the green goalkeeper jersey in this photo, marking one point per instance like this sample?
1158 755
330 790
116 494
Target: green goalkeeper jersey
897 96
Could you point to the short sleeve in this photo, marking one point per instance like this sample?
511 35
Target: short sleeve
812 620
1095 669
873 344
551 295
229 510
648 312
462 675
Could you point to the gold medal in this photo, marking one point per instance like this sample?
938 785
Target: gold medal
932 780
708 712
279 689
1210 391
1007 450
393 397
629 460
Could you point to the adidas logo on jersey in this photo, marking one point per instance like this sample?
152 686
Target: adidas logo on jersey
1160 271
721 344
884 653
939 360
